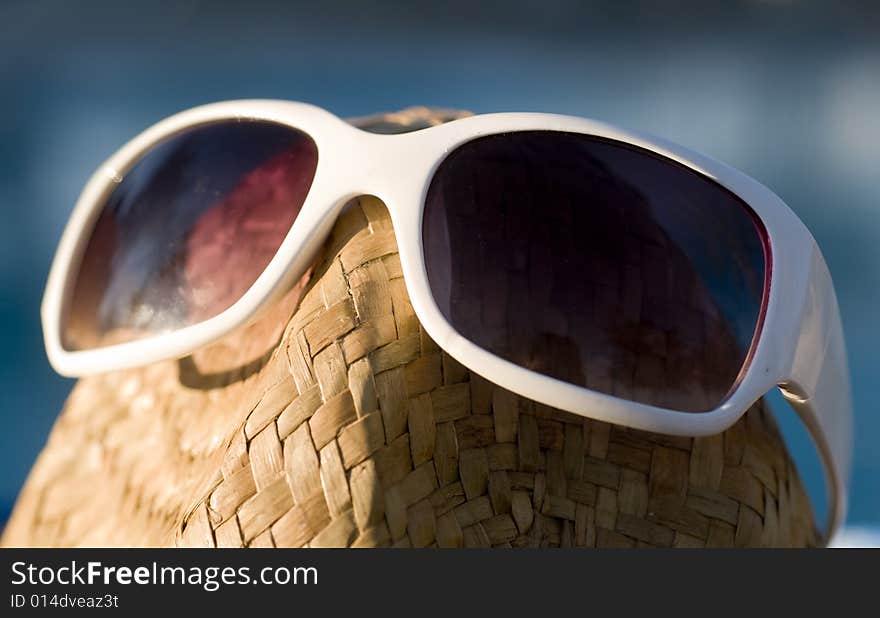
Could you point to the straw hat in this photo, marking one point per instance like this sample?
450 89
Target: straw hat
334 420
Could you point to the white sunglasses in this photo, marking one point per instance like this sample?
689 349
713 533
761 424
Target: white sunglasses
588 268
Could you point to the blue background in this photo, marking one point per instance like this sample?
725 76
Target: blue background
788 91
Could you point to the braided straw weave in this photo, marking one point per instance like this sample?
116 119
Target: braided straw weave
335 420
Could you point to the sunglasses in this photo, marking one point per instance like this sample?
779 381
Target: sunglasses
591 269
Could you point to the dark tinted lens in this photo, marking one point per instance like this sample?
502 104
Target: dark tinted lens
596 263
188 230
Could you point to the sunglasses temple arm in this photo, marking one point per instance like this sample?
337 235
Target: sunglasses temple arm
819 388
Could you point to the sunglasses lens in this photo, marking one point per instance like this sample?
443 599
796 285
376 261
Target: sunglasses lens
188 230
597 263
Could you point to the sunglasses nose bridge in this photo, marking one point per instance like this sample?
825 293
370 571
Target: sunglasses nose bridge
387 166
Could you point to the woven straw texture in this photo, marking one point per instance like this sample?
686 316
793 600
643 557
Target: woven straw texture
335 421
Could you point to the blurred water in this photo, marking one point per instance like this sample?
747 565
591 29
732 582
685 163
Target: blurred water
787 91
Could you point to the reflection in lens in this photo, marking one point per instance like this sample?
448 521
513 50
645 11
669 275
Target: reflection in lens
596 263
188 230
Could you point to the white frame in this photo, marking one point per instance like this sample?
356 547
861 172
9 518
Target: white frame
800 347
